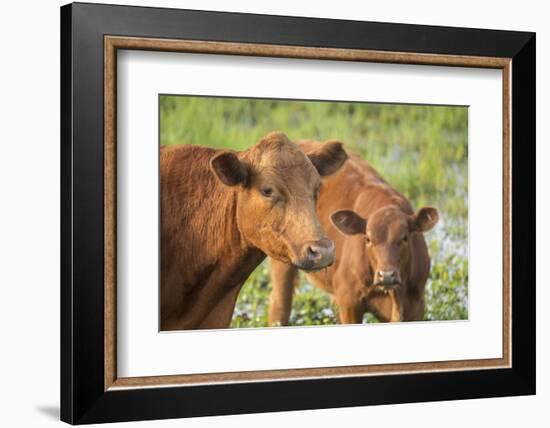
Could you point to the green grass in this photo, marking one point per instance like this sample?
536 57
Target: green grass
421 150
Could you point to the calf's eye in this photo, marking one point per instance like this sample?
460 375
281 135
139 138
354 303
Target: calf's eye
267 192
405 239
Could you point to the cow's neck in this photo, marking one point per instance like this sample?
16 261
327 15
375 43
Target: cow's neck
240 257
224 236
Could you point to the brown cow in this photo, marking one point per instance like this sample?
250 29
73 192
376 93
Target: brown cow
381 262
223 211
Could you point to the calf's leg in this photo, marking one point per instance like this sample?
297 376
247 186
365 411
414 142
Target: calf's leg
385 307
283 279
350 306
350 314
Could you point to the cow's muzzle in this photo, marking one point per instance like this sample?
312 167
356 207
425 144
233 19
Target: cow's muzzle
316 255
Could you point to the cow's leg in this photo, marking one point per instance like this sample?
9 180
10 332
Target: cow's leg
283 279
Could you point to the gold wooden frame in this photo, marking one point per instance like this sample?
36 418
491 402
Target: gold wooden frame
112 43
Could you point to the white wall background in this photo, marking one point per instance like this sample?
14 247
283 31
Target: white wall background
29 212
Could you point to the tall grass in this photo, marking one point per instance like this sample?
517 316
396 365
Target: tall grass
421 150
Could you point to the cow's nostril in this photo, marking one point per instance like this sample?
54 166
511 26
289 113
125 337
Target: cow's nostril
313 252
316 255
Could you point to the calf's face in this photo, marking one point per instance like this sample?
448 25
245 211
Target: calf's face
387 241
276 187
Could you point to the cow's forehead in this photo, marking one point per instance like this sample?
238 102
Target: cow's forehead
278 155
277 151
285 157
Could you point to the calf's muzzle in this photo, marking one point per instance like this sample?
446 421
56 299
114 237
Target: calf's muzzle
387 278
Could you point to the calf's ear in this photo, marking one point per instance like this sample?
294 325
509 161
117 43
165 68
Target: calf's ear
328 158
424 219
348 222
229 169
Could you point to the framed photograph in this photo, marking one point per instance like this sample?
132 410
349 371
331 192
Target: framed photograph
266 213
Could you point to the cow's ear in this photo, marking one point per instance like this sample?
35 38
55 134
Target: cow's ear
328 158
348 222
424 219
229 169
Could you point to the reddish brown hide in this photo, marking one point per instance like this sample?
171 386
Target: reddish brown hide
381 263
223 211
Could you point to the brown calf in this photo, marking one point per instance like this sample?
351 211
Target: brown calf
381 262
223 211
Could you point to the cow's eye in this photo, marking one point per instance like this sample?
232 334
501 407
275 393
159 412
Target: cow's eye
267 192
367 240
405 239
